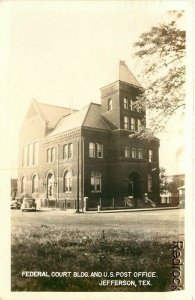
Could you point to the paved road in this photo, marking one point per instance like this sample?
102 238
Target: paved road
165 223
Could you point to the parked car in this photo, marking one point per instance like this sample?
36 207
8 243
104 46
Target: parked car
28 204
15 204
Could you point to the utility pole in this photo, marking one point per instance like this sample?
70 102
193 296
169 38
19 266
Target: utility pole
77 210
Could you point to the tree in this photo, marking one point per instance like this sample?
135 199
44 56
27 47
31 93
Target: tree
162 51
163 180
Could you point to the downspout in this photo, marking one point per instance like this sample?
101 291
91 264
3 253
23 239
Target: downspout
82 171
57 172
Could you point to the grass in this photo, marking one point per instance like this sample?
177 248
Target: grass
66 249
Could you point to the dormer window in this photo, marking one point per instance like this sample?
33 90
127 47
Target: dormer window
110 104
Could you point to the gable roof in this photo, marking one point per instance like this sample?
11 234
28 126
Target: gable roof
52 113
71 121
90 117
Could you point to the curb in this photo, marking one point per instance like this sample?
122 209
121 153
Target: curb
131 210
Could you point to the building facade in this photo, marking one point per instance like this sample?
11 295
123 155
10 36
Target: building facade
89 157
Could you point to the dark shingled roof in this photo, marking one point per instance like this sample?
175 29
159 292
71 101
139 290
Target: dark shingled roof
90 117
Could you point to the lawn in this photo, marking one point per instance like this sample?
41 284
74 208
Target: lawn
41 244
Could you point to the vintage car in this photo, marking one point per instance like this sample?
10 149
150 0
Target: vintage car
15 204
28 204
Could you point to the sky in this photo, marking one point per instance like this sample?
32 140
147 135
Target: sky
63 52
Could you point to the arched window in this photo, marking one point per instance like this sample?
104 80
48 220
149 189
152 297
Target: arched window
50 184
35 181
96 181
24 185
149 183
67 182
110 104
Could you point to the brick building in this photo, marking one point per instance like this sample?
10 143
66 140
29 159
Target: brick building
66 155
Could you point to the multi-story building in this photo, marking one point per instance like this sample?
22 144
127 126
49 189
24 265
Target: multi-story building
67 155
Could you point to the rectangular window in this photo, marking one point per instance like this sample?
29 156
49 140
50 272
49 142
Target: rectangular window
110 104
91 149
65 151
132 124
53 154
150 155
70 150
25 156
95 150
127 152
131 105
139 124
30 148
36 153
140 153
125 103
49 155
99 150
133 153
95 183
126 122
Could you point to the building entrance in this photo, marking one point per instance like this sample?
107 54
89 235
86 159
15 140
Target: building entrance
134 186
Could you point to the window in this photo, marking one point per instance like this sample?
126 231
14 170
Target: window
35 182
95 150
50 184
133 153
36 153
99 150
131 104
24 185
53 154
150 155
95 181
49 155
126 122
68 182
125 103
91 149
70 150
30 154
149 183
110 104
127 152
139 109
139 124
140 153
132 124
25 156
65 151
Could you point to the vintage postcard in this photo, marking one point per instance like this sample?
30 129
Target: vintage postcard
97 156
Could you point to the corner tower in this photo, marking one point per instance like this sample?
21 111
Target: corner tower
118 100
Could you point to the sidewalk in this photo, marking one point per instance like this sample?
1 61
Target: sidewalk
73 211
131 210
